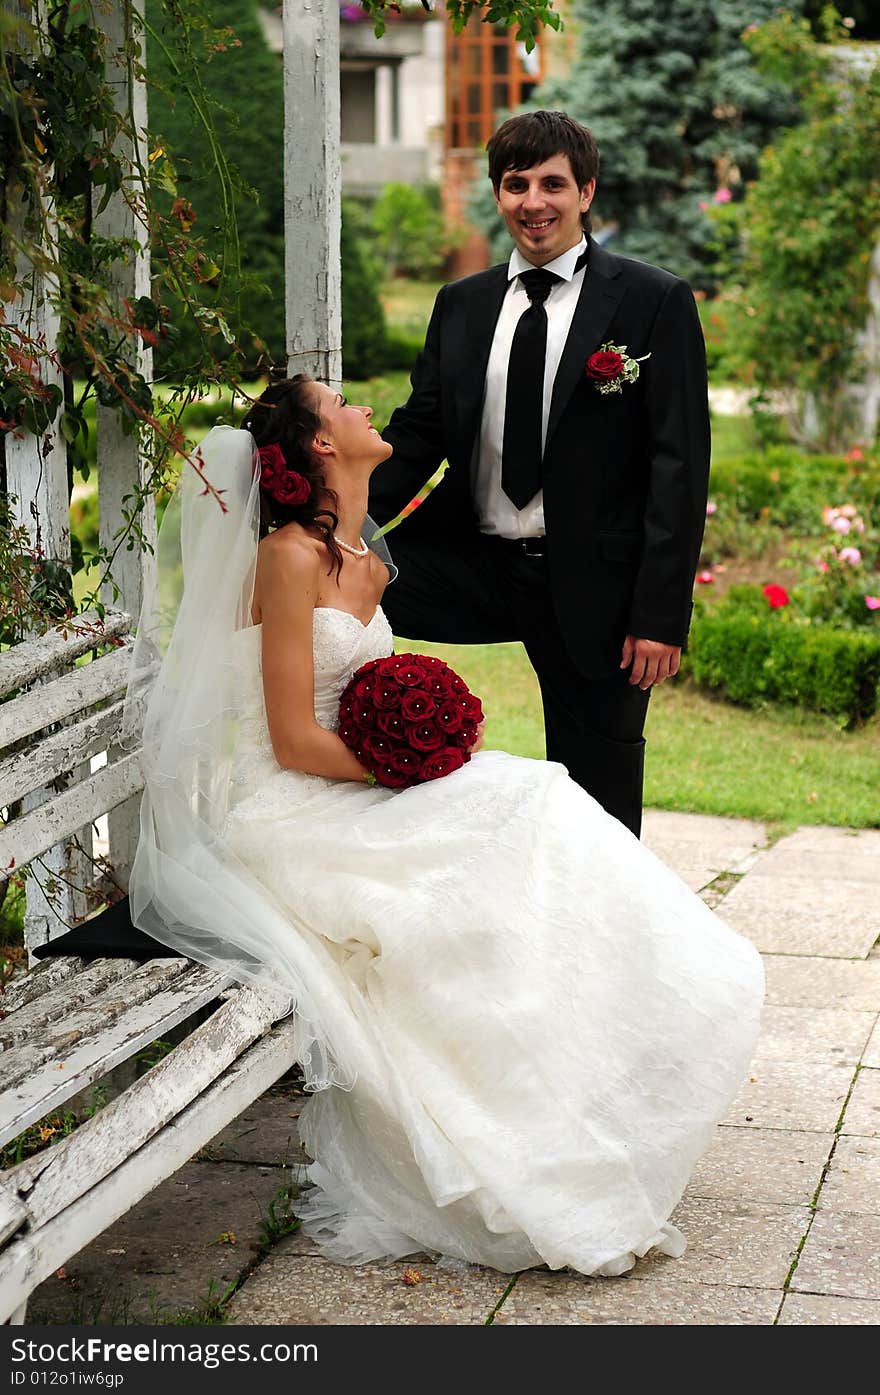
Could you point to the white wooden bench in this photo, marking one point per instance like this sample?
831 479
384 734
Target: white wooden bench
65 1023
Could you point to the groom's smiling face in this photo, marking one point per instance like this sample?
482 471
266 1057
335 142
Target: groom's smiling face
542 208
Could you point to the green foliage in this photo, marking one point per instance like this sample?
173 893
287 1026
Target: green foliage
528 15
680 113
279 1220
808 228
235 115
792 488
754 655
408 230
363 320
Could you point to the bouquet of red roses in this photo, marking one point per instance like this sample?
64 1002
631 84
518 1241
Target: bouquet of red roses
409 718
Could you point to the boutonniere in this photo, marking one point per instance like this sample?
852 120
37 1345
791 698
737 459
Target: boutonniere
611 366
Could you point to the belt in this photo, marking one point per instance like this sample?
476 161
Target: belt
529 547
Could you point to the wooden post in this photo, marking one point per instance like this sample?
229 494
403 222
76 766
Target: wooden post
312 189
122 465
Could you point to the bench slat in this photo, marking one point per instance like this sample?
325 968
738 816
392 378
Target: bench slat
35 658
116 999
40 762
31 1257
25 838
42 978
46 1087
61 1001
12 1213
75 692
54 1179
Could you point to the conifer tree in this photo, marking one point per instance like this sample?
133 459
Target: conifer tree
680 114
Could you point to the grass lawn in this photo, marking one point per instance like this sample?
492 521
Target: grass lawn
704 756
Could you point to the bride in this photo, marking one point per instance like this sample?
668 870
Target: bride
518 1027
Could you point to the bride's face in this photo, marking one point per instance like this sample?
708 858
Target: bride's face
347 431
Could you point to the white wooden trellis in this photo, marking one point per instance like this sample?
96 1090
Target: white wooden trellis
37 467
312 189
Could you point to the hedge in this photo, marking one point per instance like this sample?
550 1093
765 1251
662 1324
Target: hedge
754 659
793 487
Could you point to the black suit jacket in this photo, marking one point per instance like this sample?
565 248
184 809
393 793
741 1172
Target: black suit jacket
625 474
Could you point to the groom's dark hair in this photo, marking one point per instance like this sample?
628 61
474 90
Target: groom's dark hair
536 136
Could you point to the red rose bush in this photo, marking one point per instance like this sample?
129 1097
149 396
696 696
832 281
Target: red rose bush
409 718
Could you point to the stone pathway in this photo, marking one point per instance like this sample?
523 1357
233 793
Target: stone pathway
782 1214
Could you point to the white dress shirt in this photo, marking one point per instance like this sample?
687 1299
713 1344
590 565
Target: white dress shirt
495 512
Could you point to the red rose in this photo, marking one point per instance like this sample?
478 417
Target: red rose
410 676
450 717
405 762
426 736
466 737
285 486
604 366
777 597
392 724
441 763
416 704
377 747
387 775
386 694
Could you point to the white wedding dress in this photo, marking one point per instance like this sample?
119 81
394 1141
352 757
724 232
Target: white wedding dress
546 1024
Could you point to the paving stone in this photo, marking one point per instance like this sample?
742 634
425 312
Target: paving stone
793 981
838 917
761 1165
853 1179
739 1243
863 1111
827 853
267 1131
821 1036
871 1055
823 838
566 1298
300 1289
165 1253
791 1095
824 1310
841 1255
701 845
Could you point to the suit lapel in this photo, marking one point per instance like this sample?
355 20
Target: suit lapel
601 293
484 307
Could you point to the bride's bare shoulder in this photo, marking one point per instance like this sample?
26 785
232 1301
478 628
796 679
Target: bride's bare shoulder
291 551
287 579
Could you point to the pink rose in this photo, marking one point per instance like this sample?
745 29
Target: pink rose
840 524
722 196
711 508
705 578
850 555
872 602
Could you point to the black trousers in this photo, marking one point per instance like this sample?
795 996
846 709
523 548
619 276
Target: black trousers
487 590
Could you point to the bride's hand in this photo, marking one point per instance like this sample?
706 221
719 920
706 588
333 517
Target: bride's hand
478 744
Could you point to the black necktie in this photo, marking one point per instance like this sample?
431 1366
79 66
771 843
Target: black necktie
524 402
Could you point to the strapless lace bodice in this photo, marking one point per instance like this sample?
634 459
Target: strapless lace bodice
341 644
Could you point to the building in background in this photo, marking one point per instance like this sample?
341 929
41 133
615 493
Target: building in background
419 104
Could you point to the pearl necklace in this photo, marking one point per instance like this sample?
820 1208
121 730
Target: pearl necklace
355 551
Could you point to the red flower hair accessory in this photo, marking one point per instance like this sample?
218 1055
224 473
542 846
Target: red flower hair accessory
281 484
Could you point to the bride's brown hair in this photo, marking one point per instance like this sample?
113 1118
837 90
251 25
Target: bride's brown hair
284 416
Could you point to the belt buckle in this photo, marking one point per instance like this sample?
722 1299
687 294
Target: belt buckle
533 547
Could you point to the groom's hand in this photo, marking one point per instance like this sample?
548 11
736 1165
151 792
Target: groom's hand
652 662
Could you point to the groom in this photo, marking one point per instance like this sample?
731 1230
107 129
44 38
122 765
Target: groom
572 511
